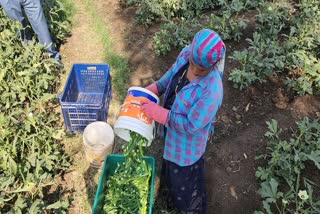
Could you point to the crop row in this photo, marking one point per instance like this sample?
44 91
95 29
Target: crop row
31 153
285 41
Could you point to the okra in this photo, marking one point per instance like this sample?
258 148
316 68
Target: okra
128 188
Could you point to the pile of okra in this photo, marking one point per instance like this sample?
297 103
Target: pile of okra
128 188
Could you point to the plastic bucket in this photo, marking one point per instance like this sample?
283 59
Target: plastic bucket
98 138
131 117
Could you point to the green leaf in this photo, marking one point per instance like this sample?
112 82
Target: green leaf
12 165
315 157
58 205
262 173
20 204
36 206
58 134
258 212
269 190
274 130
32 158
267 207
46 97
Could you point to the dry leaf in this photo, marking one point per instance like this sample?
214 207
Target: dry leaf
247 107
245 156
238 117
233 192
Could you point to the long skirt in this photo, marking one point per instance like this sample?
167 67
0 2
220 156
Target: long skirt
185 186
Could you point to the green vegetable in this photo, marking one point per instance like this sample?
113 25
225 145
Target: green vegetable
128 188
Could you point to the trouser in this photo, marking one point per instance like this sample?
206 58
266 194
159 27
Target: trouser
186 186
15 9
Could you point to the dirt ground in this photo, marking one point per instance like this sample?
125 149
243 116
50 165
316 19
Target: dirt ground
230 155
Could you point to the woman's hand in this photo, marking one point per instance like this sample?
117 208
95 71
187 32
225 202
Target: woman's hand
154 111
153 88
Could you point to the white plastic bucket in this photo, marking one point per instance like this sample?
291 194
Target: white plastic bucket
131 117
98 138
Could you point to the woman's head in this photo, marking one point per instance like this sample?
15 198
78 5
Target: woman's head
206 49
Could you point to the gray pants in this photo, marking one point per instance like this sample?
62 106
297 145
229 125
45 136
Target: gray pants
15 9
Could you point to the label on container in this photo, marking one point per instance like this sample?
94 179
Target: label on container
131 108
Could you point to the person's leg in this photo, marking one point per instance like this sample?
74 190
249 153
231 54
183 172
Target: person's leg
34 12
165 183
188 188
13 10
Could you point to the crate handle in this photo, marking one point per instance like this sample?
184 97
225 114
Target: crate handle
91 68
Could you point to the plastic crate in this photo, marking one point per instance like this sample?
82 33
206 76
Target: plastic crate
109 166
86 95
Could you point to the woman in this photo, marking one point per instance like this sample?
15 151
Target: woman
193 93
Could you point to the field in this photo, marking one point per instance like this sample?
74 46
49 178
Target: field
266 88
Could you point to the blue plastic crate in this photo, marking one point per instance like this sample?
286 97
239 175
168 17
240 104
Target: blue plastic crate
86 95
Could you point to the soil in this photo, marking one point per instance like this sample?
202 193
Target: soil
230 155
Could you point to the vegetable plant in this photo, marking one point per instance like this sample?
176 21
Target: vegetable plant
264 57
285 188
31 152
285 43
174 34
56 15
229 27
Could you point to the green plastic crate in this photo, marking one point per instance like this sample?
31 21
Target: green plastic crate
108 169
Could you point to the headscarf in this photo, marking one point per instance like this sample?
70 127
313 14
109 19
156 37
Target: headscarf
207 48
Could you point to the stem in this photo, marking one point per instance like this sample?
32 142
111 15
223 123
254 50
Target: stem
278 208
297 188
